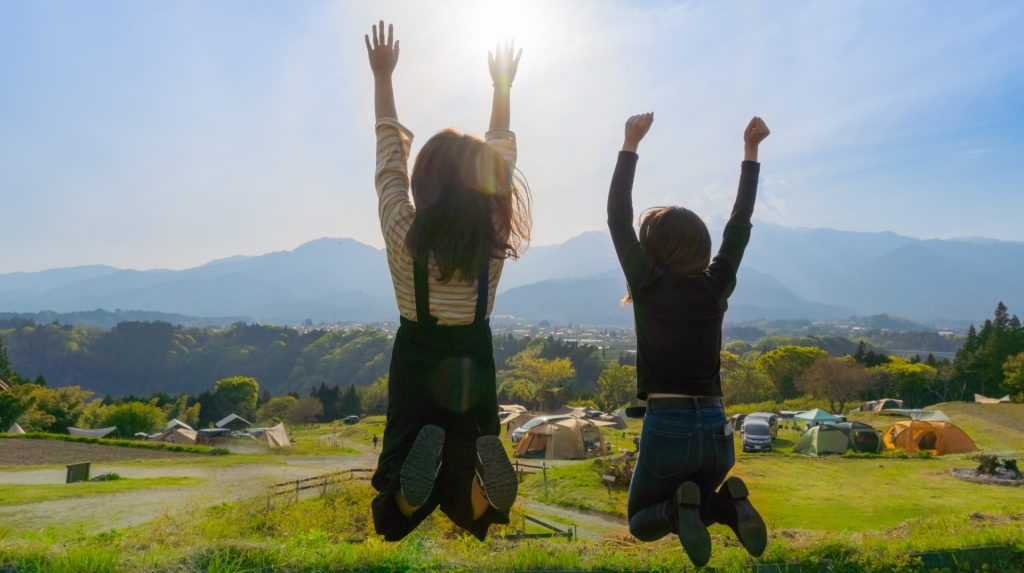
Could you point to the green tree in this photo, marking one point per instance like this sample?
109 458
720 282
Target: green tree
785 364
374 398
275 410
134 417
181 410
238 394
743 383
12 406
349 402
1013 381
541 384
913 383
838 380
616 387
305 411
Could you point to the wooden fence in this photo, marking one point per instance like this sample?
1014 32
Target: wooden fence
321 482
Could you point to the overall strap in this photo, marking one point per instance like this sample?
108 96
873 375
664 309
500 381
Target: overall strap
422 292
482 292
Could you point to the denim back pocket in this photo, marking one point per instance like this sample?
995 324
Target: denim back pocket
667 450
725 450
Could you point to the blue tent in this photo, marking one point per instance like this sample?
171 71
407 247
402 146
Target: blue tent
817 416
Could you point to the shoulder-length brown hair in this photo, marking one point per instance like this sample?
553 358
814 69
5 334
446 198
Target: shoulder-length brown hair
469 208
675 239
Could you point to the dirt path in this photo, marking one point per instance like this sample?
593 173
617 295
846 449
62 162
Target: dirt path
102 512
24 451
589 524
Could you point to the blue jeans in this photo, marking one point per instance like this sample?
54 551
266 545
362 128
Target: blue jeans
677 445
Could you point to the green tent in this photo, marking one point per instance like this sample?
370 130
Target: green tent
863 438
821 440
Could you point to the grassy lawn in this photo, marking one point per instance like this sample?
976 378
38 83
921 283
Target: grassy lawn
334 533
17 494
336 438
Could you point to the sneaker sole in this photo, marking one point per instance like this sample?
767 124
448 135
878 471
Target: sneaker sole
499 478
750 528
693 535
419 470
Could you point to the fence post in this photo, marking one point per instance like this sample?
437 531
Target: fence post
544 468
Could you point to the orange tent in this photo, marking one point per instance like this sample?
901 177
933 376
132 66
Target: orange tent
935 437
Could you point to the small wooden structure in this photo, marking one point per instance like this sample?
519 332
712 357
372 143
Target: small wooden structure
78 472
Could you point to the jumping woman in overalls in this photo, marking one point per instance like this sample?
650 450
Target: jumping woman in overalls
446 249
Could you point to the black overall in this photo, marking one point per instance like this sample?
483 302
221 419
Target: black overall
441 375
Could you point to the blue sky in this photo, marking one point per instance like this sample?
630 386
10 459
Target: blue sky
166 134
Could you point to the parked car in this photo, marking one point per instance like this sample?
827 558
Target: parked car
757 436
768 418
519 432
350 419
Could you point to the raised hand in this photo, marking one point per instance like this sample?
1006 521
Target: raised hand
636 128
502 65
383 52
755 132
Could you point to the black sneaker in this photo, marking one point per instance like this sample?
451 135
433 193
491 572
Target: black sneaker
742 518
419 470
495 473
693 535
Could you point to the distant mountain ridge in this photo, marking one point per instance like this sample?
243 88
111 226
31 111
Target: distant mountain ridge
786 273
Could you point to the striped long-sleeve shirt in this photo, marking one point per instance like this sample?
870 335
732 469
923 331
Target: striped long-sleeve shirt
452 302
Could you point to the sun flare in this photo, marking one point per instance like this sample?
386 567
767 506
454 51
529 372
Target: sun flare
528 23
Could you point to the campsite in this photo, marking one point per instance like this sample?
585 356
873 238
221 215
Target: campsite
200 496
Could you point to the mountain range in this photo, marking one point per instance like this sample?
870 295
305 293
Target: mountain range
816 274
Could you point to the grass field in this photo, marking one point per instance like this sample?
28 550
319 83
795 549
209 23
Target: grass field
857 514
17 494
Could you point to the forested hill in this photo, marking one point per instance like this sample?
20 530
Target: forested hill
145 357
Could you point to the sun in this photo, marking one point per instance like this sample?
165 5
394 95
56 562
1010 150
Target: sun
529 23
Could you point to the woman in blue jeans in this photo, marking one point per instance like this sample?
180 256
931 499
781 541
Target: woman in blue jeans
679 296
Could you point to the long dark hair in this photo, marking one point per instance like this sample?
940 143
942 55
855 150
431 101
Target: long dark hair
469 208
675 239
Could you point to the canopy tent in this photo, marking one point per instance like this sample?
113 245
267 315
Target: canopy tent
930 415
578 411
564 439
616 420
887 404
233 422
97 433
863 438
935 437
821 440
15 429
986 400
514 408
175 435
176 423
275 437
516 419
817 416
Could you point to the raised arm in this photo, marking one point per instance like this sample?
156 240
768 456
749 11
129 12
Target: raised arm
383 53
635 264
503 68
737 231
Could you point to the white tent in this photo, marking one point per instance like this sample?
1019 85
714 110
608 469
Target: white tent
175 435
275 437
15 429
986 400
97 433
176 423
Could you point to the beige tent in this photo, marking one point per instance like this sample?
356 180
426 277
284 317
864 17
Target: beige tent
986 400
175 435
16 429
566 439
567 410
275 437
921 435
3 385
97 433
887 404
